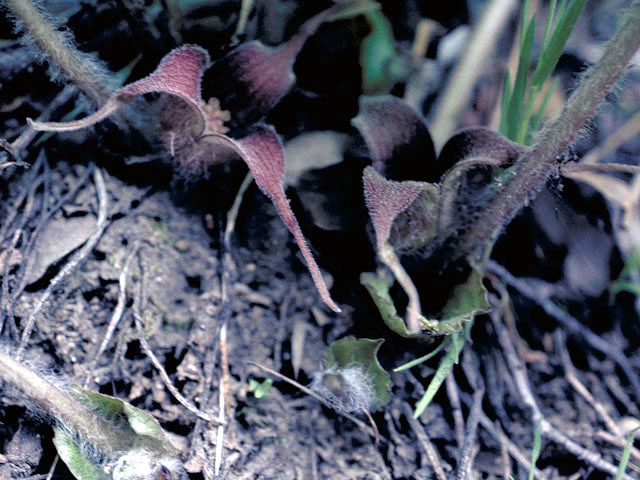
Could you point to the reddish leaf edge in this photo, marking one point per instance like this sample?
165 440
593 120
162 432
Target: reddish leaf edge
263 153
385 200
179 73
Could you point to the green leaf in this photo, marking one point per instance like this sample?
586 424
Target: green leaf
537 118
377 52
535 451
466 300
145 424
551 54
424 358
352 8
447 363
80 465
516 103
504 105
632 264
548 23
623 286
260 389
363 352
626 453
113 409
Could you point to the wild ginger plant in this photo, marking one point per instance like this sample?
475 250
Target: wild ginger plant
450 212
198 133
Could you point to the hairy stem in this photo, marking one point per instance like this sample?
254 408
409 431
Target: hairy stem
63 407
537 164
88 75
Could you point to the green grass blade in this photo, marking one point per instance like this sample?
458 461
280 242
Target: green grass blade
623 286
535 451
520 84
523 21
632 264
424 358
626 453
447 363
560 11
537 118
548 23
551 54
504 104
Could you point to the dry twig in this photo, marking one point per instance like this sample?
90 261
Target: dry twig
139 322
73 262
115 316
568 322
466 455
363 426
519 373
454 399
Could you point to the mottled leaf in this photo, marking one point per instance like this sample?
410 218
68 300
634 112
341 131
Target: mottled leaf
397 138
361 352
262 151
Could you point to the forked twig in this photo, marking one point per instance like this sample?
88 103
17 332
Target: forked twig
115 316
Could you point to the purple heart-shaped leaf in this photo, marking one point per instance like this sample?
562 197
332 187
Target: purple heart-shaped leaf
179 74
397 138
385 200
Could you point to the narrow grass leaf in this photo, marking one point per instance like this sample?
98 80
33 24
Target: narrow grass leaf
537 118
548 23
520 84
625 455
632 264
622 286
445 367
504 104
550 55
523 21
424 358
535 451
